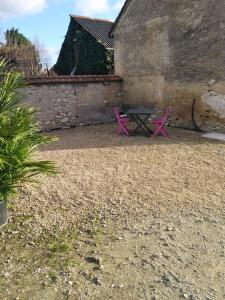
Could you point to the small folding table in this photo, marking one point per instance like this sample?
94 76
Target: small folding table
140 116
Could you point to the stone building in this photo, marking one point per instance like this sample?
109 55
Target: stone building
87 48
169 52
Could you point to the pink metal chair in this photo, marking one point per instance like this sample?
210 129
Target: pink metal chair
160 125
122 122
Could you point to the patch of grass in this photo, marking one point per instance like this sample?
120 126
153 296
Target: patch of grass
96 231
54 253
59 247
2 280
59 250
23 218
53 276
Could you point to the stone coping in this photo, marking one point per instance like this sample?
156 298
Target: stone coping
72 79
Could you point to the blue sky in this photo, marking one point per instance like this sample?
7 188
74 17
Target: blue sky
47 20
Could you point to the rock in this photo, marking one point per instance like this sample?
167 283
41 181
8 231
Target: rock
168 228
118 286
165 279
93 260
84 273
155 256
67 292
96 281
65 120
6 274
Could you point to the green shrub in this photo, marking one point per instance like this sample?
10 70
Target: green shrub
19 136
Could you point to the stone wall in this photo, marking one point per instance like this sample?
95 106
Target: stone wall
166 51
72 101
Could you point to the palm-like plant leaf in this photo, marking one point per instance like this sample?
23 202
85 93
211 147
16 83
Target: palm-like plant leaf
19 136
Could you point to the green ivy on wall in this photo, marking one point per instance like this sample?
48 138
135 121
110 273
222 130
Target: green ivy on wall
81 54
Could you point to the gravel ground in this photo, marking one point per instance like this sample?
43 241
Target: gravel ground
127 218
100 170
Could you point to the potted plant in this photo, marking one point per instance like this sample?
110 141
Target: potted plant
19 139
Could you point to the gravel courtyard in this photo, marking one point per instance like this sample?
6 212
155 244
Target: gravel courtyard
126 218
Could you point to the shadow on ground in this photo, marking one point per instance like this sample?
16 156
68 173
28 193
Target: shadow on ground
104 136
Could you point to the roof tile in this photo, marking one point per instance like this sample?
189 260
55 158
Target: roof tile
98 28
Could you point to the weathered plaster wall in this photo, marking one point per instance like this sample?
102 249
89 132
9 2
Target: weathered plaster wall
72 101
167 51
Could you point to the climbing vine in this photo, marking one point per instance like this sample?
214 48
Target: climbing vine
81 54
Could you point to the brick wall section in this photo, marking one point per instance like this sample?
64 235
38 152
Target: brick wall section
68 101
73 79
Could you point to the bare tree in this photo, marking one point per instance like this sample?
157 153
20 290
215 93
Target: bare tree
1 37
42 55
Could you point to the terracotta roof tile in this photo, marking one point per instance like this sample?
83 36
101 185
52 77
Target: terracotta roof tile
72 79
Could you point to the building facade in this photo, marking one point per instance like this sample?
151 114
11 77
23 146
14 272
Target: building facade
87 48
170 52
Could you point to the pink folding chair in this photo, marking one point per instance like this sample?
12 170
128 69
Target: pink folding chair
160 125
122 122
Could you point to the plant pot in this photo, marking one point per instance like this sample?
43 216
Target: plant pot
3 214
